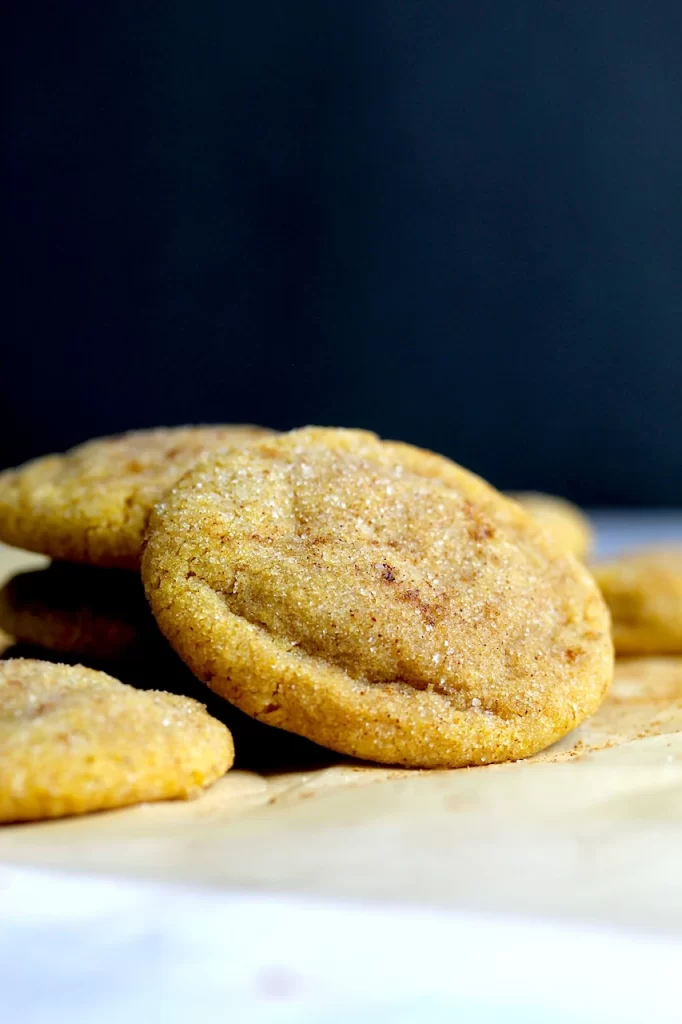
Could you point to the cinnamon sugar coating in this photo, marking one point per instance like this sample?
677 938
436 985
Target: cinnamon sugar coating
377 599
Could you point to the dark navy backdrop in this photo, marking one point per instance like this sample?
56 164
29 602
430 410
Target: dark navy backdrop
456 223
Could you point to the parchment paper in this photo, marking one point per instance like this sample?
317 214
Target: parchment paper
590 830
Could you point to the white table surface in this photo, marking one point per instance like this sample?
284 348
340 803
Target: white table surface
80 950
76 949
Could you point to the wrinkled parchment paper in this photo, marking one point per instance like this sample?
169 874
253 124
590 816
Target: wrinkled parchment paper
589 830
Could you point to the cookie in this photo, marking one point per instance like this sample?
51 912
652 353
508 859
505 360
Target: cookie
74 740
78 610
379 600
643 590
564 520
92 503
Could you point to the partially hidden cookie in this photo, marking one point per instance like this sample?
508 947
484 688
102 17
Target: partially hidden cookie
74 740
91 504
377 599
643 590
78 610
567 524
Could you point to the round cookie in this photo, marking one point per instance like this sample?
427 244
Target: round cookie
643 590
74 740
379 600
78 610
92 503
564 520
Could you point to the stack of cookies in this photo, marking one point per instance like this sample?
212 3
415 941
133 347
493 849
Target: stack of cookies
367 595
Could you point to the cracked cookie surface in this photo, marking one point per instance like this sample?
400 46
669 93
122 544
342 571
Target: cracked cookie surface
74 740
378 599
91 504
